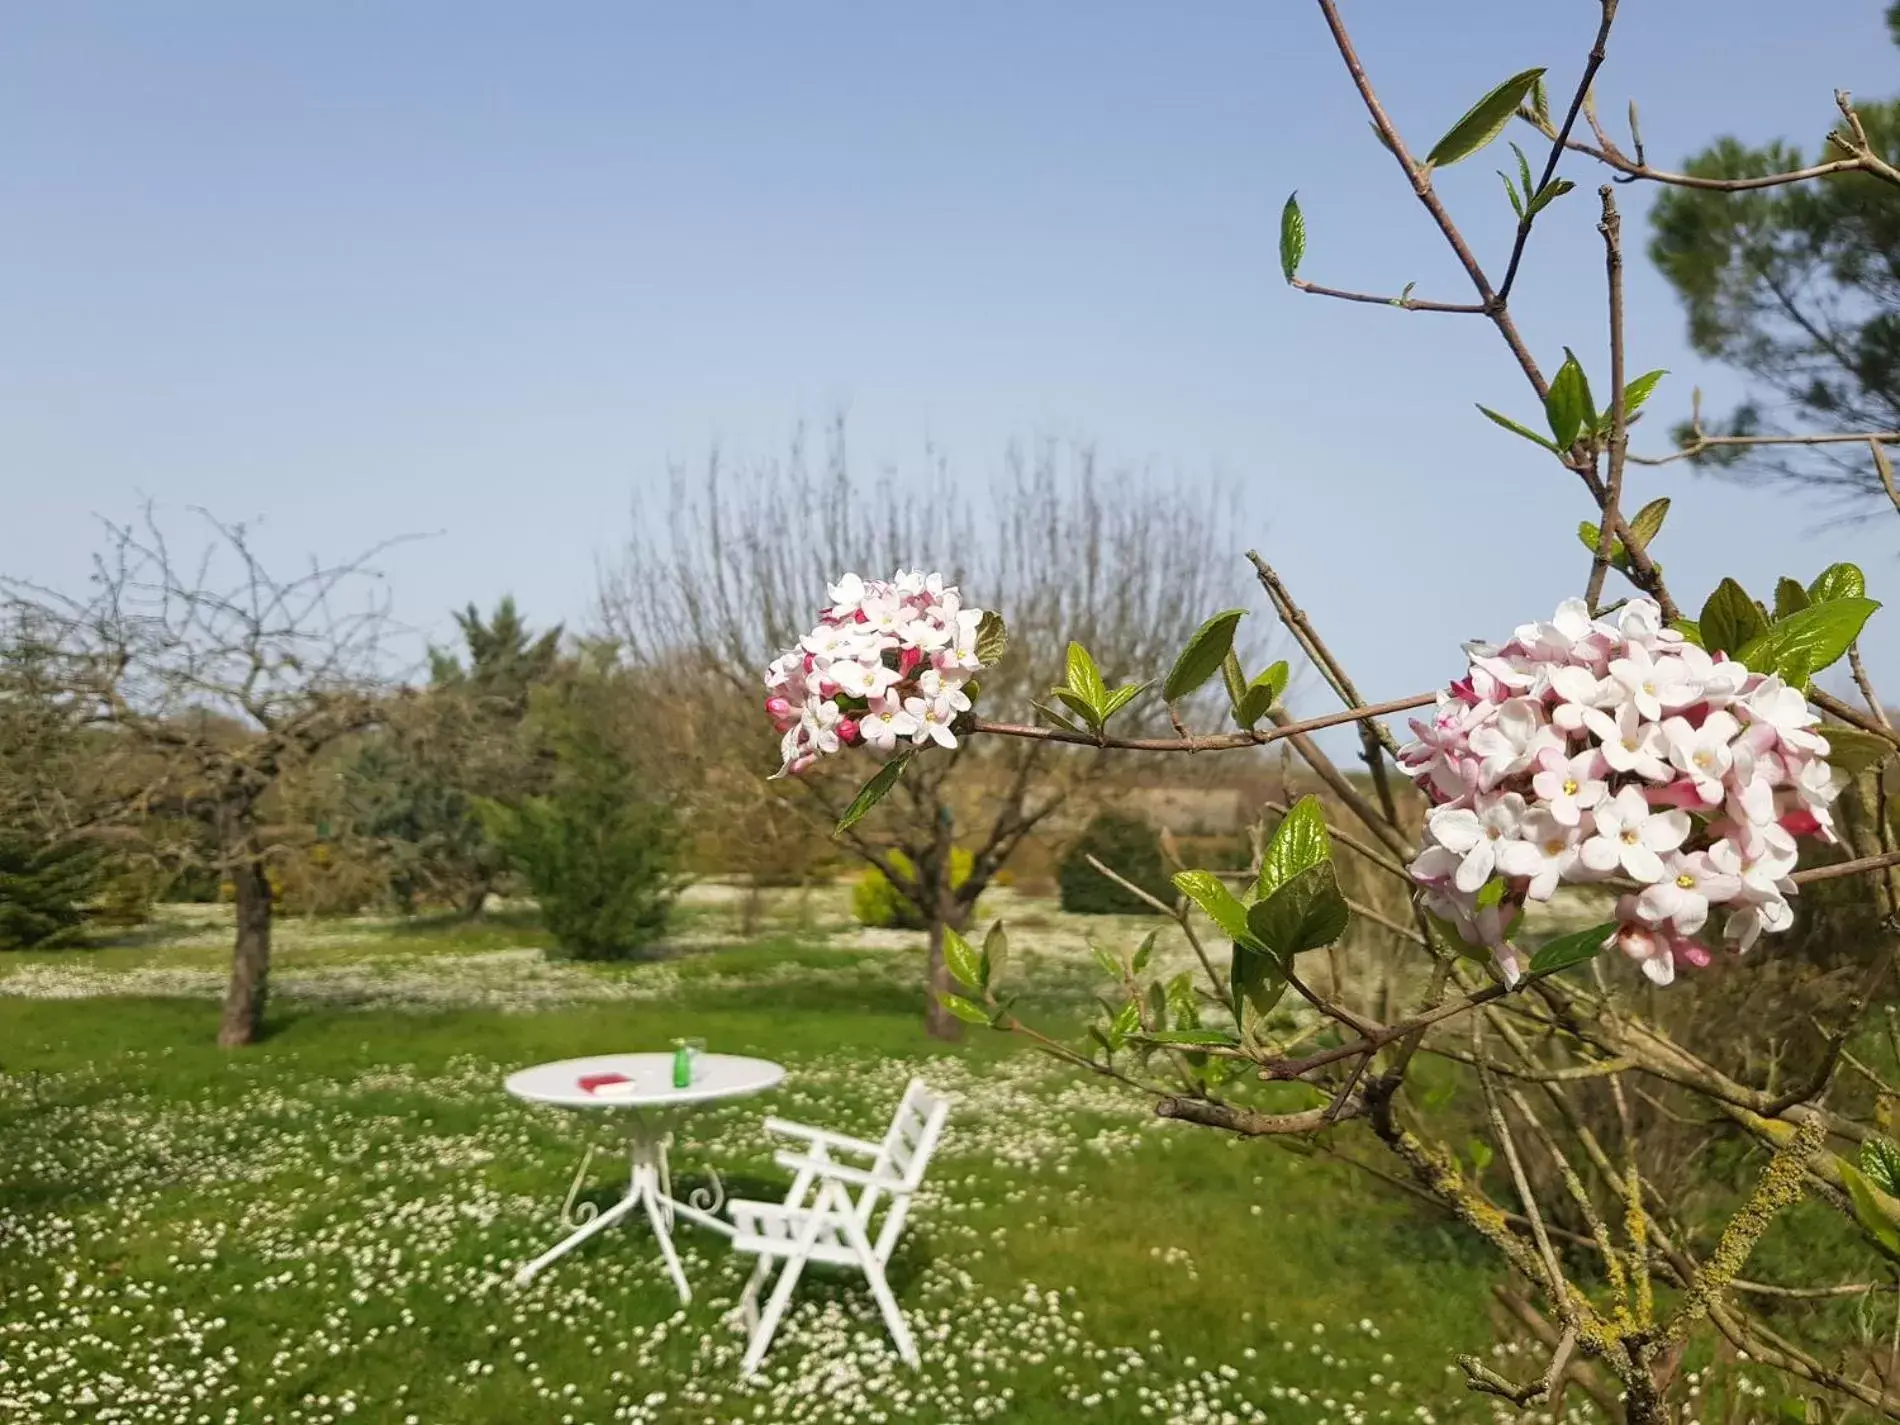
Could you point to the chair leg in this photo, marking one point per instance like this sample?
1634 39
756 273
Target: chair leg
873 1271
774 1311
749 1298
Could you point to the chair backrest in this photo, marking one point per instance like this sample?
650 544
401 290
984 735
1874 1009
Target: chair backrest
908 1146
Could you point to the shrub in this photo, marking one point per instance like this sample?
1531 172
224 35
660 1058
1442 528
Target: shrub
877 903
1132 849
44 888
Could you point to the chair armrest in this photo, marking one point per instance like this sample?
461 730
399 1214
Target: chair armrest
825 1168
785 1128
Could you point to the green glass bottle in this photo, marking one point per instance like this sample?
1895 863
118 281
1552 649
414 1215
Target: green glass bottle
682 1067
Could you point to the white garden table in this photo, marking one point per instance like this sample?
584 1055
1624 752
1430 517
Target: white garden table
642 1085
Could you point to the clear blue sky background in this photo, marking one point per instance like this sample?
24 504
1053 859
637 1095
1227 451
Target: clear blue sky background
486 269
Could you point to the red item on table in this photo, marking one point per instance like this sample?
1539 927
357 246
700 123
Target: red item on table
593 1083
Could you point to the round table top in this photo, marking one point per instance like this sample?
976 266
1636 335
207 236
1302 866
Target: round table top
641 1080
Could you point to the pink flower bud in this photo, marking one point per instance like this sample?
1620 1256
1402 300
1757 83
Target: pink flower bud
778 709
1800 822
803 764
848 731
827 688
1687 949
908 659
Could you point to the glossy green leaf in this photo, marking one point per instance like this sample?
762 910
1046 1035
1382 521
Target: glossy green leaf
1183 1008
1689 629
1145 952
1880 1161
1202 657
1523 171
1208 892
1084 679
871 793
961 958
1121 698
1647 522
1547 195
1484 120
1127 1021
1876 1211
1838 581
1572 949
1257 979
1492 892
1262 694
1299 842
1567 408
1304 913
1234 678
1516 429
1730 619
995 954
1061 720
1636 393
1790 598
963 1009
1292 237
1088 713
1852 750
1191 1036
1510 191
992 639
1803 644
1110 965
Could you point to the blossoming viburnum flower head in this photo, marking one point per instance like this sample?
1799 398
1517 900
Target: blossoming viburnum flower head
887 667
1590 750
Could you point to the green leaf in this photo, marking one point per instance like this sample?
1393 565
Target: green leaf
1539 103
1572 949
1208 892
1190 1036
1492 892
1146 952
1084 679
1483 121
1589 534
1516 429
1876 1211
1852 750
992 639
1510 191
1110 965
871 793
1523 170
1202 657
1185 1010
1567 408
1089 714
1480 1154
995 954
1730 619
1292 237
1262 694
1235 679
963 1009
961 958
1299 842
1790 598
1802 644
1121 698
1257 979
1838 581
1068 723
1880 1161
1127 1021
1647 522
1637 392
1690 630
1547 195
1303 914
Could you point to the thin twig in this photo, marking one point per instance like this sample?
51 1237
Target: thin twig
1211 742
1612 229
1410 304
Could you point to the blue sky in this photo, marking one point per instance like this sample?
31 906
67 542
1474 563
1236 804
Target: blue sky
483 271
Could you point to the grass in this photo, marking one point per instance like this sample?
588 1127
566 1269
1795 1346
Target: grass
323 1227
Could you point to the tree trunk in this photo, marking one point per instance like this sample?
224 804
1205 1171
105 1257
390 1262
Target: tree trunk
934 874
476 902
243 1019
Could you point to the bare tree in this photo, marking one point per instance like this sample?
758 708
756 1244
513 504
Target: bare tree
734 571
217 677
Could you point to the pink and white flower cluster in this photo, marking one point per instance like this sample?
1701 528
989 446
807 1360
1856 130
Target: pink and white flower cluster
886 667
1588 751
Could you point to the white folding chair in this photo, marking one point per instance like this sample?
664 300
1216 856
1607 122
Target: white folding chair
832 1226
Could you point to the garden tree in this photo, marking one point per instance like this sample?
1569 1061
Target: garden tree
600 852
412 789
1625 1150
47 874
1797 286
212 678
707 595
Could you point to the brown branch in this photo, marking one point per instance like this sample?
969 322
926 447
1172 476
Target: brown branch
1246 1121
1410 304
1612 229
1211 742
1857 867
1701 444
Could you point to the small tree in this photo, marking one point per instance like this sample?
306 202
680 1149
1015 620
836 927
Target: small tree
600 854
1129 847
212 678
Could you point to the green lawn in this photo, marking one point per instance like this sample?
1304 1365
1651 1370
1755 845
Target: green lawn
324 1227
